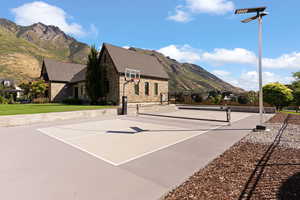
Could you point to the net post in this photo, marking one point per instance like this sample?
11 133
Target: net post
137 109
228 115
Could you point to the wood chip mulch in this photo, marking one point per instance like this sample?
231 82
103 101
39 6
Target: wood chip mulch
281 117
246 171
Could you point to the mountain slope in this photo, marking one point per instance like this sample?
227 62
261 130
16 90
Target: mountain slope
22 49
185 76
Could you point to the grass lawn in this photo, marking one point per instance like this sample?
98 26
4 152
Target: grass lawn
17 109
290 112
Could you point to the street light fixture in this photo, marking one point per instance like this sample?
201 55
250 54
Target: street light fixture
259 15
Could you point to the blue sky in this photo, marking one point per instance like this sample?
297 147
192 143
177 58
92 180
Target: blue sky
204 32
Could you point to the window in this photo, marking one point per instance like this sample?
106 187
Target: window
82 91
146 88
137 89
156 89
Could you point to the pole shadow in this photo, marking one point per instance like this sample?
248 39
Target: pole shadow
258 171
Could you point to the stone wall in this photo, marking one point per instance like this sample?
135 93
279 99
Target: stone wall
113 78
129 90
81 91
59 91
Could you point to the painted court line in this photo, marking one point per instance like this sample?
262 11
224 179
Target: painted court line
138 156
133 158
77 147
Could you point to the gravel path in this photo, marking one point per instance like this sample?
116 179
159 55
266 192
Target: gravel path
263 165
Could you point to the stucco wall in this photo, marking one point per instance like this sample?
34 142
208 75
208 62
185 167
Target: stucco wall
142 97
59 91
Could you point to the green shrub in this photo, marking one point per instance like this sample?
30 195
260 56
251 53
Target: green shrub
197 98
11 100
3 100
72 101
243 99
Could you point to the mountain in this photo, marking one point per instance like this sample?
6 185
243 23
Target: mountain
191 77
22 49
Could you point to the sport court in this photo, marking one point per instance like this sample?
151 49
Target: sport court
127 138
121 157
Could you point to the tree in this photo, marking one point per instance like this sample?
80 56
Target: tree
277 95
243 99
296 84
296 94
38 88
96 77
34 89
252 97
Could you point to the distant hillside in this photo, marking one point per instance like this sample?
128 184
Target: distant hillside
22 49
185 76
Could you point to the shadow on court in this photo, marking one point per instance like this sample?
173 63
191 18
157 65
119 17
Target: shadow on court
139 130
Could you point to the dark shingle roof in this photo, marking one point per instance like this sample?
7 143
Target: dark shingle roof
122 58
125 58
61 71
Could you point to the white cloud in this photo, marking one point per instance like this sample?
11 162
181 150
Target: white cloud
221 73
291 61
180 16
249 80
39 11
183 53
222 56
244 56
219 7
126 47
210 6
225 56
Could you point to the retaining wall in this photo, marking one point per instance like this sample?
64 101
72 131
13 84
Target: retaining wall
17 120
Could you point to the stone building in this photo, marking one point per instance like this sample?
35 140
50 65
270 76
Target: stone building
67 80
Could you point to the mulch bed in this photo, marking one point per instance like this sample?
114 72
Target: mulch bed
237 175
281 117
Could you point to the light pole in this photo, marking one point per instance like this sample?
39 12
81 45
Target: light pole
259 15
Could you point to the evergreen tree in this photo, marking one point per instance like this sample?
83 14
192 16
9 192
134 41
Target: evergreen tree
93 81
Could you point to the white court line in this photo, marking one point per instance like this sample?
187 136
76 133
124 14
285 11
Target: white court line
77 147
135 157
131 159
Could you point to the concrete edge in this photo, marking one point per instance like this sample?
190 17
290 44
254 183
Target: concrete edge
19 120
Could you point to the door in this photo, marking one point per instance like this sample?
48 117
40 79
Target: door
76 92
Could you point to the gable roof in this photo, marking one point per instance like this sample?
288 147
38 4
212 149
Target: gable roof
122 59
125 58
62 71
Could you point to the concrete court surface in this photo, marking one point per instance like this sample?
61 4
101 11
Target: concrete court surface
35 166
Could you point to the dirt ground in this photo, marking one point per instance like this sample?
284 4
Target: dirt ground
250 170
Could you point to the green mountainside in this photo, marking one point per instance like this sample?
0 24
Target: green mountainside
186 76
22 49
